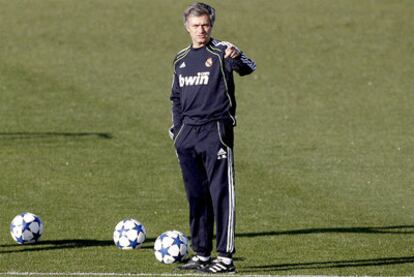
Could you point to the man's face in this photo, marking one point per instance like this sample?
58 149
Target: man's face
199 28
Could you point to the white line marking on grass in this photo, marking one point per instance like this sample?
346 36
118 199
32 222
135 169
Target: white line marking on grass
12 273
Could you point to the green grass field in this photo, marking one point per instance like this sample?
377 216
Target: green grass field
324 143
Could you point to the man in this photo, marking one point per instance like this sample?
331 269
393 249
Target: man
203 108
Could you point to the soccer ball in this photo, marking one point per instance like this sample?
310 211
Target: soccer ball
26 228
129 234
171 247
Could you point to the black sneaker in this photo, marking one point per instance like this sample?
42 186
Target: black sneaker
194 264
218 266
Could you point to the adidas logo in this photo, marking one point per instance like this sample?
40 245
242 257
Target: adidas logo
182 65
221 154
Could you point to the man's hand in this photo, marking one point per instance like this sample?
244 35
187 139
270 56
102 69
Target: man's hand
171 132
231 51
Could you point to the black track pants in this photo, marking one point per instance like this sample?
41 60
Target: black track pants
205 153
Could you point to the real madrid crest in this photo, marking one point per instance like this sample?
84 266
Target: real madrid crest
209 62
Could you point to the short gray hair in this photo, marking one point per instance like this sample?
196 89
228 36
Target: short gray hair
199 9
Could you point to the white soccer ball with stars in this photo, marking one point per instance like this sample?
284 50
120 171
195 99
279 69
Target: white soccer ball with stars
171 247
129 234
26 228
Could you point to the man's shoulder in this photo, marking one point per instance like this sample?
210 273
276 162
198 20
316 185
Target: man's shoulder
218 45
182 53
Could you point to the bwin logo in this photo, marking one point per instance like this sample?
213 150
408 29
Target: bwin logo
200 79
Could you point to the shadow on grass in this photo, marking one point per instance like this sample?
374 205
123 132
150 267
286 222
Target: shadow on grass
398 230
63 244
149 242
390 230
48 135
329 264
